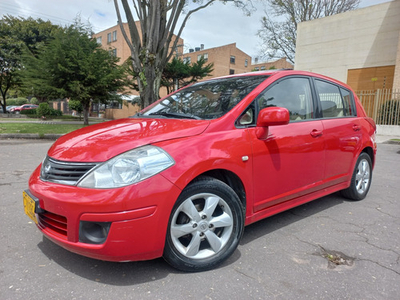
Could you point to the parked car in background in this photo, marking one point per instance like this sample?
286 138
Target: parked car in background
184 176
9 107
18 109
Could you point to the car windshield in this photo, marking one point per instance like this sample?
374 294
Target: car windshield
205 100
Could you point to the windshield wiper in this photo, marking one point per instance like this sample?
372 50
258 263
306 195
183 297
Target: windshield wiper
175 115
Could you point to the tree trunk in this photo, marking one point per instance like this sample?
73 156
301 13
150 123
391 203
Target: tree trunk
150 92
4 102
86 108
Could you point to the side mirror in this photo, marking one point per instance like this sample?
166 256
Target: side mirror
271 116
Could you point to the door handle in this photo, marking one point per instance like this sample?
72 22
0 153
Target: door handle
316 133
356 127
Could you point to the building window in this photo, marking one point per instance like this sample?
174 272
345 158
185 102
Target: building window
187 60
246 62
108 37
232 59
262 68
98 40
205 56
114 35
231 72
256 69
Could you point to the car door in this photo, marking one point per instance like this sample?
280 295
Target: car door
290 161
341 130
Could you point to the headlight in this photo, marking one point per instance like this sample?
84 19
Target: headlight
128 168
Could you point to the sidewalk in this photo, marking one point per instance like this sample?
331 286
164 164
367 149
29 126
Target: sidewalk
387 139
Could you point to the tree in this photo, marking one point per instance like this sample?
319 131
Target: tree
17 35
44 110
74 65
279 37
178 73
151 40
77 106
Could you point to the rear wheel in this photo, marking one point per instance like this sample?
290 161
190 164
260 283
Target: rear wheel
361 179
205 226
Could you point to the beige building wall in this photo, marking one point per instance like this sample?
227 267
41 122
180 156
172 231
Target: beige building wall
396 80
119 44
128 109
366 37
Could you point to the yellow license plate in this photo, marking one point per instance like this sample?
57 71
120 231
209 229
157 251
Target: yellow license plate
29 206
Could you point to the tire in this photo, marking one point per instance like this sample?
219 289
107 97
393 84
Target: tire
205 226
361 179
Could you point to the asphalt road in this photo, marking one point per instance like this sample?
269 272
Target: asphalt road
288 256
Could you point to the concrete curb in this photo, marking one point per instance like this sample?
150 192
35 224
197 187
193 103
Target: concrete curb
392 142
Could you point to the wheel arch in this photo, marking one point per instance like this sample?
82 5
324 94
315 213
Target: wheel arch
370 153
229 178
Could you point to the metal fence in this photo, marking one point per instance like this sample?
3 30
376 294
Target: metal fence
383 105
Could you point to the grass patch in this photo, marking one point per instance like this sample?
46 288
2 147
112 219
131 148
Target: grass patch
40 129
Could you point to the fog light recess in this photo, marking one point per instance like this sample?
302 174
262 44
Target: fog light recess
93 232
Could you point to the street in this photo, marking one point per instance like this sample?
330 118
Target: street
330 248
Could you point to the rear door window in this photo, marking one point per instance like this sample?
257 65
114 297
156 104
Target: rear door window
335 102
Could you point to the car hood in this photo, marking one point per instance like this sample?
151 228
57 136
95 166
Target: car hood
103 141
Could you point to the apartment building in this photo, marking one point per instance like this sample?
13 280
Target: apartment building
281 63
227 59
113 40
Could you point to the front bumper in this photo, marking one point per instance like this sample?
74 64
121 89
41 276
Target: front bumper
138 215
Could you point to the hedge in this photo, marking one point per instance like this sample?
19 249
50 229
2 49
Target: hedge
32 113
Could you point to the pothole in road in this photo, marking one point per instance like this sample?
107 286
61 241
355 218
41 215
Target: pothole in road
336 258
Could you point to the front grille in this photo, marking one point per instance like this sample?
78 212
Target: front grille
64 172
54 223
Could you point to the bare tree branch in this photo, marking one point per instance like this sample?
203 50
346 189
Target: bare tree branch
279 37
154 45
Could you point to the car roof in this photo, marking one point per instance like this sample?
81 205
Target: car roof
284 72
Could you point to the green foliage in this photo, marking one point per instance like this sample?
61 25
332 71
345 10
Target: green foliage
38 113
43 110
11 101
389 113
34 100
55 112
182 73
19 35
17 101
73 65
75 105
32 113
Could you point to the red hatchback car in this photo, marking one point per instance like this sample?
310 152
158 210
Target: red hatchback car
184 176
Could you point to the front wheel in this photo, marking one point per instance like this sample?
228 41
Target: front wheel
205 226
361 179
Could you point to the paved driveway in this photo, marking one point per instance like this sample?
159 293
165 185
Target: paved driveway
293 255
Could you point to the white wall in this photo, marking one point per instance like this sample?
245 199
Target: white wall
367 37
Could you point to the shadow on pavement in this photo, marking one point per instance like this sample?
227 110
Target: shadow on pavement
132 273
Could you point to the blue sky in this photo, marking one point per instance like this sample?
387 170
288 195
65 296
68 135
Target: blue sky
214 26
